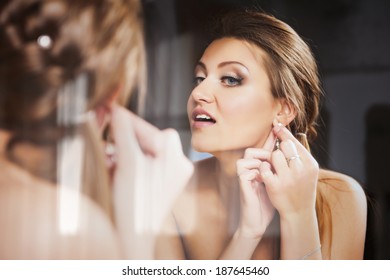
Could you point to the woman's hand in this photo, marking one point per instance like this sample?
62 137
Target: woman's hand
291 177
150 171
256 209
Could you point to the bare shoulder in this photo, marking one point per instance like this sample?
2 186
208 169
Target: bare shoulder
346 200
340 185
57 227
344 195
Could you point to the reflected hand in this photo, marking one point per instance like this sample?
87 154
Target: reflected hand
150 171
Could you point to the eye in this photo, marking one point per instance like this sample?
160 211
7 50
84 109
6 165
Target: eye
198 80
231 81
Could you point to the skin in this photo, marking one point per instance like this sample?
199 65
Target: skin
228 209
33 202
29 213
149 168
235 94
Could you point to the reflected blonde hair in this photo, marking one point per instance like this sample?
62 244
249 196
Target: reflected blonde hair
100 38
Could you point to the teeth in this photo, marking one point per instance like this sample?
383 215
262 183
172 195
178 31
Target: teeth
203 117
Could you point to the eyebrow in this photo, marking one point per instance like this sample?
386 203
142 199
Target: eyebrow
222 64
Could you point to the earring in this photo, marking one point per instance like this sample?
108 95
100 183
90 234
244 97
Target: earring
277 144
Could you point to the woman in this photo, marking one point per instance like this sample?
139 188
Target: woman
262 194
65 67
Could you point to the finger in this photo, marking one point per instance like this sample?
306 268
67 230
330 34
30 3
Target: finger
261 154
266 174
246 184
147 136
243 165
249 175
170 141
288 148
279 163
290 153
126 143
102 118
269 143
177 168
284 134
171 150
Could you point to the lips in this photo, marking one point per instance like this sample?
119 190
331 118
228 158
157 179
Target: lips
201 118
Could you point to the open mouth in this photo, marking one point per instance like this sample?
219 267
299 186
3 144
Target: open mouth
203 118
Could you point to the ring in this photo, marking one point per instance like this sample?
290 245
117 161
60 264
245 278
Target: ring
292 158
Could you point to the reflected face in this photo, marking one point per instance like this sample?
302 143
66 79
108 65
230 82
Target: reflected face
231 106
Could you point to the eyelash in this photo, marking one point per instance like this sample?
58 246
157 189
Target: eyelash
236 80
224 79
198 80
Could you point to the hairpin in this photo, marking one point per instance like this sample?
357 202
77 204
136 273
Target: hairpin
44 41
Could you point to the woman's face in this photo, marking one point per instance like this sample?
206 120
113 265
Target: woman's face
231 106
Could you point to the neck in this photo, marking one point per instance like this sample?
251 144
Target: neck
226 173
226 163
228 185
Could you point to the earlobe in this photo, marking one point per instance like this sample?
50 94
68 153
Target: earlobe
287 112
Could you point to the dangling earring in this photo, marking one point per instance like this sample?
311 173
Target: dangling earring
277 144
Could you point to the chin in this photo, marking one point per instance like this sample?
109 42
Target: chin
202 146
213 147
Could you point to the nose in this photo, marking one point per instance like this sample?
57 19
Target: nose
202 93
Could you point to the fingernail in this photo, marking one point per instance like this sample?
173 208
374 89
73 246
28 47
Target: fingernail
278 127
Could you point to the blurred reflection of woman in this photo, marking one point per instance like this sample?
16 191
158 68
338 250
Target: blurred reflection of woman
65 66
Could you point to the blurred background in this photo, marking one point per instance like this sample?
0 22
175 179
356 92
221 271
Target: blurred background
351 42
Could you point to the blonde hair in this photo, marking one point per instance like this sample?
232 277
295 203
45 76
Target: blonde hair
102 39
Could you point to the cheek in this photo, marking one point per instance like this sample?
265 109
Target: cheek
246 111
190 106
250 120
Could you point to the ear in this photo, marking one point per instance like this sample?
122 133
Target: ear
286 112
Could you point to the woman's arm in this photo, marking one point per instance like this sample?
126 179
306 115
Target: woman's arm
300 237
240 247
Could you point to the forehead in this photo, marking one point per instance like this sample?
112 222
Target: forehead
232 49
